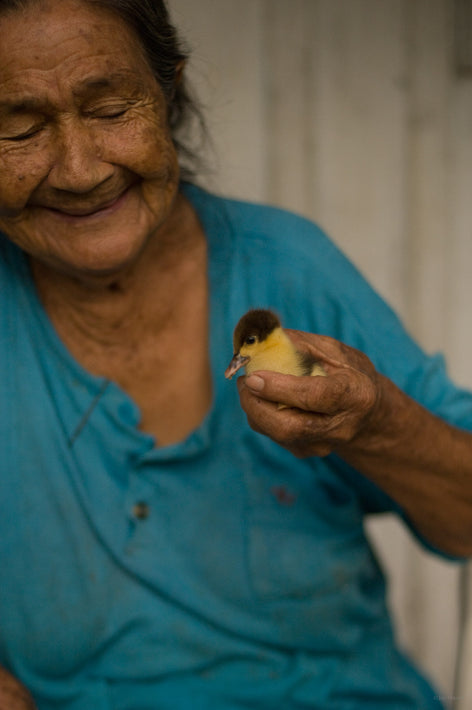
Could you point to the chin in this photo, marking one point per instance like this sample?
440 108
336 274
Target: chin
104 258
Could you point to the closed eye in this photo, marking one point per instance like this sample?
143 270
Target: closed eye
23 136
109 109
111 114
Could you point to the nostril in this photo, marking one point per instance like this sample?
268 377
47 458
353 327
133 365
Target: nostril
77 179
78 165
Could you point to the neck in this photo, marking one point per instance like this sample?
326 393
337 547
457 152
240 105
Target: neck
105 308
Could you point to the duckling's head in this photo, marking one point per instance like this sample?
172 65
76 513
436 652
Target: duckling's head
250 336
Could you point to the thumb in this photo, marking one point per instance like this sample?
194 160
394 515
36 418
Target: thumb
294 391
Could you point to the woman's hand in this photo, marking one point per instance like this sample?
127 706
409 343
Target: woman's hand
415 457
325 414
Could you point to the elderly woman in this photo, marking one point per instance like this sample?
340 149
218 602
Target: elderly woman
157 552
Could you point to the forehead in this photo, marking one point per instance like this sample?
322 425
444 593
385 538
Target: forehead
67 44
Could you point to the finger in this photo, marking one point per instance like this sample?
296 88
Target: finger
332 353
324 395
264 415
302 433
320 346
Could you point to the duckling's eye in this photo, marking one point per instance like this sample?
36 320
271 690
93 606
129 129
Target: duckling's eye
250 340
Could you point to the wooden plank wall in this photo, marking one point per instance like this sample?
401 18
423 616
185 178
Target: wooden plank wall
354 113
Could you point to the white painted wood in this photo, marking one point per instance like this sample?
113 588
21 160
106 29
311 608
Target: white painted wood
349 111
226 68
459 240
288 89
359 135
428 88
460 300
463 688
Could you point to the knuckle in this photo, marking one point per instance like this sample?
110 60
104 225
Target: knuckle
303 436
306 399
347 434
255 426
324 450
341 389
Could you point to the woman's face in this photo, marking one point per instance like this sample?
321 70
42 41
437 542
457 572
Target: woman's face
88 170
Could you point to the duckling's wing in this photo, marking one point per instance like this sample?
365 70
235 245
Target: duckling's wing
309 365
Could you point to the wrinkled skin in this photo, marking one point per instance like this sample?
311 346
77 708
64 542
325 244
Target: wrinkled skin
88 169
325 414
89 182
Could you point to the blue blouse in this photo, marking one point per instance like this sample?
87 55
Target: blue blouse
220 572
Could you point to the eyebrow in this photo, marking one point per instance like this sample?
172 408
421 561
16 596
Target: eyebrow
26 104
95 84
111 81
34 104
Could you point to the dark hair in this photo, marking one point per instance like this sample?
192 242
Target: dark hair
165 53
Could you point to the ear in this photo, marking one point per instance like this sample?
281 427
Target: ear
179 72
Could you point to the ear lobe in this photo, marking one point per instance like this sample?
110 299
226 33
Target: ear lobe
178 77
179 72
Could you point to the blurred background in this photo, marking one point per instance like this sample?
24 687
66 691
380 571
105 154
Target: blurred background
358 115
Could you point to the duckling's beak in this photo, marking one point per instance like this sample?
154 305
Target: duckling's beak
236 363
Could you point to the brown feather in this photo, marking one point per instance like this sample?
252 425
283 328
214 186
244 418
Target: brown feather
259 322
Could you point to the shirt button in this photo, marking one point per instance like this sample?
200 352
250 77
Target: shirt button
141 510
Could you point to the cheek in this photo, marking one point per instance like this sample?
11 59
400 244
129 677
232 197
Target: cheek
21 172
143 146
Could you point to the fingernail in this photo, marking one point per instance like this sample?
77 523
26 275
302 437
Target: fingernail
254 382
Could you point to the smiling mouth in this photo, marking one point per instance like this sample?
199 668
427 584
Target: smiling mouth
84 212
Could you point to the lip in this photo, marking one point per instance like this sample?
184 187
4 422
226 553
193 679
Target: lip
100 210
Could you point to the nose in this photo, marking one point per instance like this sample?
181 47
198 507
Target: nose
78 165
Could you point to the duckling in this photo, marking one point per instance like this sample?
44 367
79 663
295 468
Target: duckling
260 343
